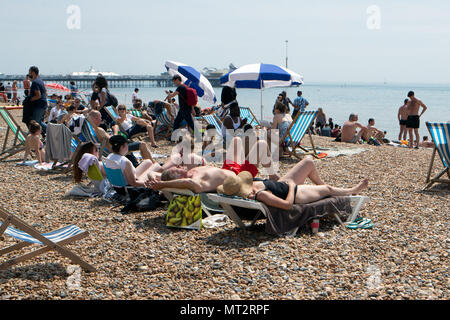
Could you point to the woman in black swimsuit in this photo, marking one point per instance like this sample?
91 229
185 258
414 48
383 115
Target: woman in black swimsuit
283 195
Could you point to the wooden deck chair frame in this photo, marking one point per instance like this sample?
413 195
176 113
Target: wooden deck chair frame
295 145
227 203
18 144
112 112
445 159
169 193
48 245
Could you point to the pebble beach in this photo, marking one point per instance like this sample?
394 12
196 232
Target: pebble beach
403 257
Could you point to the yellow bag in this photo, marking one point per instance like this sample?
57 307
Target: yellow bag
185 212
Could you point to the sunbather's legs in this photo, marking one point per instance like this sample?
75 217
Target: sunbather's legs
145 151
302 170
308 193
145 167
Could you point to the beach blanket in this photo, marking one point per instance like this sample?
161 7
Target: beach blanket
43 166
280 221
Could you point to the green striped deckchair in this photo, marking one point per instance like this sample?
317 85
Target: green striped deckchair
19 136
296 132
113 114
246 113
136 113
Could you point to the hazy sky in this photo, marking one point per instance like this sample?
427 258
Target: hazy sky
329 41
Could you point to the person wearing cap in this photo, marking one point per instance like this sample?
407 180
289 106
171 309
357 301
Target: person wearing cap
133 176
284 193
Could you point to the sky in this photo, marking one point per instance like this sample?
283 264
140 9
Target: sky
328 41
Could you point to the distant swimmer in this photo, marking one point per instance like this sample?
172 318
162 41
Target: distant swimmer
402 117
349 130
413 121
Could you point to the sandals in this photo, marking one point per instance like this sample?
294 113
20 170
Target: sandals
361 223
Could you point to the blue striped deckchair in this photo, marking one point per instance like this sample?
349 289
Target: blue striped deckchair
28 236
88 134
440 133
18 144
246 113
214 120
296 132
163 120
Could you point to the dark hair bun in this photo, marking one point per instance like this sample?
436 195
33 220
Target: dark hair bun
117 140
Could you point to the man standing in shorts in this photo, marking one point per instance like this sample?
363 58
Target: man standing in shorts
413 120
185 112
402 116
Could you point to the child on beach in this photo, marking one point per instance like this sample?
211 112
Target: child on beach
34 143
86 156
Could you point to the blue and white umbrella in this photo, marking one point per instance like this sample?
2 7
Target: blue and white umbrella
261 75
192 78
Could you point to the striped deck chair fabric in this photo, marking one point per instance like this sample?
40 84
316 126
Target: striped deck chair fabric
136 113
28 236
88 134
19 136
246 113
440 133
214 120
298 129
112 112
163 118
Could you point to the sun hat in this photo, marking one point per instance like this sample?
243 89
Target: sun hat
240 185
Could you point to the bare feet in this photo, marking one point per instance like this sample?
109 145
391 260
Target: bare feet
360 187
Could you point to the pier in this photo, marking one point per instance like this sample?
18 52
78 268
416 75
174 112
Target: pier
125 81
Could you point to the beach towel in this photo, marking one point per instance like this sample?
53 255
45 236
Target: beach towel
58 143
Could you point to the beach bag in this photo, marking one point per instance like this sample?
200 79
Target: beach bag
185 212
112 100
191 96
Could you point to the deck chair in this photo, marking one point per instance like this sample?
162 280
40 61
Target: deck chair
111 111
297 131
208 205
55 240
18 143
163 120
136 113
214 120
228 201
115 175
440 133
88 134
246 113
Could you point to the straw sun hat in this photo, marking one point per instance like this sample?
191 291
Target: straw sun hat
240 185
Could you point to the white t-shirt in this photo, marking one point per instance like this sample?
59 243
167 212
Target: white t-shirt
128 123
117 161
134 96
54 114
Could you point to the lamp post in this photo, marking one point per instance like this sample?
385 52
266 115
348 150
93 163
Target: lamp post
286 54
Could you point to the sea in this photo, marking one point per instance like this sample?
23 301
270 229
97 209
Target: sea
338 101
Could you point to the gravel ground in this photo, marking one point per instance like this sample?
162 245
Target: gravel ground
405 255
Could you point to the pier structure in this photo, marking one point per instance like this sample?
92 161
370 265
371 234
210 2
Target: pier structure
122 81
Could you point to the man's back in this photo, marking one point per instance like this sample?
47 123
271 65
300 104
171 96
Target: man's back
403 112
413 106
348 130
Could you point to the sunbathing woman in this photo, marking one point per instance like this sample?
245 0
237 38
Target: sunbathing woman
133 176
126 120
85 157
34 143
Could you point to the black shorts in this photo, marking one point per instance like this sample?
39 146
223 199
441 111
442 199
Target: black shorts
403 122
413 122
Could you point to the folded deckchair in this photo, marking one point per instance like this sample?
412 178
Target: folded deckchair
440 133
297 130
207 204
18 143
55 240
246 113
227 202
